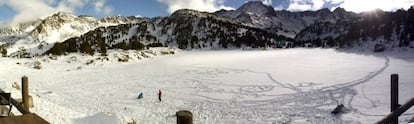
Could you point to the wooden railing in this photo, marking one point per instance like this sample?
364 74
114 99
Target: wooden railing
27 117
393 116
23 106
396 109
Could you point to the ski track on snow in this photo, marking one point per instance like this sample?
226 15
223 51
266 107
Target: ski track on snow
212 96
309 106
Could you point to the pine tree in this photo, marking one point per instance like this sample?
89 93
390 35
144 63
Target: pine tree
122 45
57 49
4 52
102 48
72 46
87 48
136 45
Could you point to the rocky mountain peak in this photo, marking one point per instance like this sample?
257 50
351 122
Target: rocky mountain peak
252 7
339 10
184 12
52 22
59 17
119 19
324 10
189 12
258 15
256 7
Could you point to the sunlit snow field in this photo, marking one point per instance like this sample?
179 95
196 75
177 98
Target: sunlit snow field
225 86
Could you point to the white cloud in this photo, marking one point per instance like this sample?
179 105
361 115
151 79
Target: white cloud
201 5
107 10
318 4
334 1
28 10
70 5
99 5
101 8
279 7
50 1
350 5
299 7
267 2
302 5
366 5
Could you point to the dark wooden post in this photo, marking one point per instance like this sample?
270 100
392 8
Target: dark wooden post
394 96
25 92
184 117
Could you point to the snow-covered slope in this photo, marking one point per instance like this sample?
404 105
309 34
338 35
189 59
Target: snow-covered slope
34 38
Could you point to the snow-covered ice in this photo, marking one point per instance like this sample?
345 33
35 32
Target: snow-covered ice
224 86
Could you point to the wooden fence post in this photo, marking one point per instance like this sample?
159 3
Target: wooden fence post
184 117
394 96
25 92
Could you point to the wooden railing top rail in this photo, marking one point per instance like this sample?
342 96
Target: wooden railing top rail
18 105
390 117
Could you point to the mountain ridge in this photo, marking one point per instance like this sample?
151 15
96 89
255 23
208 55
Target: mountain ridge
282 22
252 25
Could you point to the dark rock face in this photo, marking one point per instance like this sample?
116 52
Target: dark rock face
379 48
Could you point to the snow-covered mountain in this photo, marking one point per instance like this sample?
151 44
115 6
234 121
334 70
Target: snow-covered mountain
390 29
256 14
185 29
325 28
36 37
252 25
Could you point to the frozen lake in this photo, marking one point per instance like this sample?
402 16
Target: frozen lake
275 86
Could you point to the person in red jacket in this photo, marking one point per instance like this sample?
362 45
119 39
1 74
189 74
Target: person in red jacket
159 95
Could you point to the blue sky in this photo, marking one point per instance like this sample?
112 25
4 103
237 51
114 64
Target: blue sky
25 10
